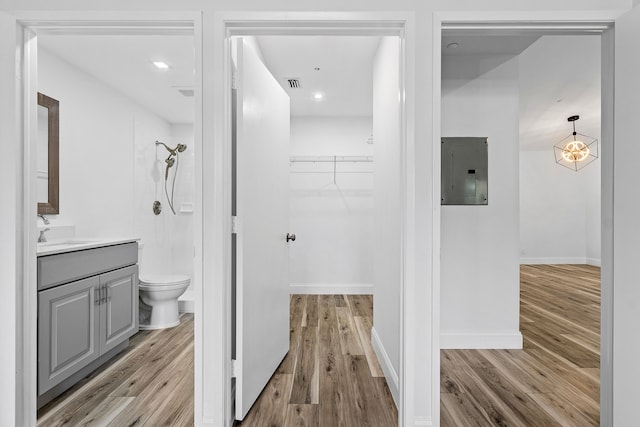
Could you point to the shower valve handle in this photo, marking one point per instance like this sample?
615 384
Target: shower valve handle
291 237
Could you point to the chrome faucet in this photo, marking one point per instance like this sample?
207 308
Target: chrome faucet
44 218
42 238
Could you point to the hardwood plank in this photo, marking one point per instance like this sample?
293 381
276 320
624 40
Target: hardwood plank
340 300
563 411
335 406
306 381
157 392
302 416
349 339
270 409
312 310
147 371
519 403
464 410
363 326
296 308
104 413
361 306
516 372
177 404
483 399
368 396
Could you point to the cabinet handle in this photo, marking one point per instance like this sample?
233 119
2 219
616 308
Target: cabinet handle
96 292
104 295
108 290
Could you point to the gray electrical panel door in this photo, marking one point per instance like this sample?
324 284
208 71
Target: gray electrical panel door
119 312
67 331
464 176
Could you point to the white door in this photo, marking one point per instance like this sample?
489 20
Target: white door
626 211
262 209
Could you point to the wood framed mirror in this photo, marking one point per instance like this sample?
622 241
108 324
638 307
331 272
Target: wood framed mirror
48 155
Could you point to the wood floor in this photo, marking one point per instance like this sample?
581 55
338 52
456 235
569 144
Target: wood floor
330 377
150 384
555 379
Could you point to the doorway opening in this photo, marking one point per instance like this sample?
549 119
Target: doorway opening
319 117
526 100
117 110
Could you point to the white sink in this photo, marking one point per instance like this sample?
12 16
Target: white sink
71 244
67 242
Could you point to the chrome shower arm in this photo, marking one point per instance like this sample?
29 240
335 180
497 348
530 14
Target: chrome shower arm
170 150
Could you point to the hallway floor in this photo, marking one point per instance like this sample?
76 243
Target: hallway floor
331 376
555 379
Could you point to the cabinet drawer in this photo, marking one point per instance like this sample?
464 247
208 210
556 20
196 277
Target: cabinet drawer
56 269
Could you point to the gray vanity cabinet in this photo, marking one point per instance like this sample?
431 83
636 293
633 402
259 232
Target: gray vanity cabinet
67 330
85 320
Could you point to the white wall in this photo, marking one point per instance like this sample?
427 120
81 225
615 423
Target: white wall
559 208
387 265
333 222
479 244
96 149
167 238
559 211
111 170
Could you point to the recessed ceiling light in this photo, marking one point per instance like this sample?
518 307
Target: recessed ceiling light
318 96
453 45
161 65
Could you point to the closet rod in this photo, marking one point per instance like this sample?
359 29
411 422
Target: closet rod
331 159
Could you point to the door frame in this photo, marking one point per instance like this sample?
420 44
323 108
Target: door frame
229 24
90 22
549 23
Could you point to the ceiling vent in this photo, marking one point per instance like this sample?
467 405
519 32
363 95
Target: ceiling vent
186 92
294 83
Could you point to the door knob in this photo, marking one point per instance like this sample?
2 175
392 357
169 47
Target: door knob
291 237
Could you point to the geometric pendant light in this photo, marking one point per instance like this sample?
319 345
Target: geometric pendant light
577 150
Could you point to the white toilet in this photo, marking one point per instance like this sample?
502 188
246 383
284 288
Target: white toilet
159 295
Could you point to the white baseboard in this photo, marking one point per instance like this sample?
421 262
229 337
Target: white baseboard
553 260
422 421
331 288
561 260
385 363
596 262
467 341
186 302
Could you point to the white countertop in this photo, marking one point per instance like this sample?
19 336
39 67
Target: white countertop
72 244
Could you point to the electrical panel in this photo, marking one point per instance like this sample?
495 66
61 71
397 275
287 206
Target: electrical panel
464 163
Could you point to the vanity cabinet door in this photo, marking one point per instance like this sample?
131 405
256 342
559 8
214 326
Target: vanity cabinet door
119 310
67 330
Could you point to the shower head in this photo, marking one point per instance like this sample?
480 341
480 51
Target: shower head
169 161
181 147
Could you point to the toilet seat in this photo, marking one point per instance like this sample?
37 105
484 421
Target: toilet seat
163 280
